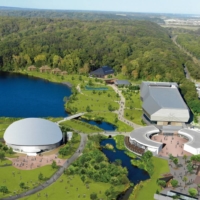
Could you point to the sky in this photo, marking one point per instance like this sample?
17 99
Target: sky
153 6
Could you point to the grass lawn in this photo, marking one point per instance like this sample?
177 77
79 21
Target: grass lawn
133 99
98 101
29 177
4 162
110 118
4 123
74 146
74 79
62 190
134 116
119 139
81 126
150 186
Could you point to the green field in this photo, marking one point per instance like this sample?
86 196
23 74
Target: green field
132 99
134 116
110 118
62 190
81 126
74 79
73 147
4 162
29 177
150 186
96 101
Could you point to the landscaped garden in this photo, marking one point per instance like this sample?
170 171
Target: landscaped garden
92 100
147 189
12 178
74 187
81 126
110 118
91 176
70 147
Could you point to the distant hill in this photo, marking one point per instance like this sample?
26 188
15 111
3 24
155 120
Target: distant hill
78 14
13 8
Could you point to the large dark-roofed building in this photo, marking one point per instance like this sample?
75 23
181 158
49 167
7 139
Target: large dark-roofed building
102 72
162 103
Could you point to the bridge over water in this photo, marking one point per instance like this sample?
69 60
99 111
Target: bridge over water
71 117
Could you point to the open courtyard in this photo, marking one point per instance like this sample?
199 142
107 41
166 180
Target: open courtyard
173 145
33 162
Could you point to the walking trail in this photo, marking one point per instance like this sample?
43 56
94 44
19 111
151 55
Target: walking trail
57 174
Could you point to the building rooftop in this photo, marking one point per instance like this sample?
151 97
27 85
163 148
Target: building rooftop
193 135
105 70
142 135
162 95
122 82
33 131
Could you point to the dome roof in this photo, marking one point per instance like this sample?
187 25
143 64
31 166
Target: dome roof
32 132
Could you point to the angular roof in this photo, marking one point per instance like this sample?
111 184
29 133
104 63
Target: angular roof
33 132
122 82
105 70
158 95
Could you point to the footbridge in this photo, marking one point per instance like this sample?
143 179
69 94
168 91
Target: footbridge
71 117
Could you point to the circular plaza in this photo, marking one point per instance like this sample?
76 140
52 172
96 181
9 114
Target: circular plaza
185 141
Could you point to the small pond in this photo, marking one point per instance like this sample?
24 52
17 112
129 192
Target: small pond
95 88
103 125
25 96
135 174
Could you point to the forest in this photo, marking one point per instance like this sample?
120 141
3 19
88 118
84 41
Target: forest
80 15
140 50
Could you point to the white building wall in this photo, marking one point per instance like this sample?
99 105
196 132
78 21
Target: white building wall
32 149
190 149
176 115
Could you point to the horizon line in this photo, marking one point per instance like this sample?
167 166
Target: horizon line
50 9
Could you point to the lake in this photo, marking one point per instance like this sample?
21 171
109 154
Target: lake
135 174
103 125
24 96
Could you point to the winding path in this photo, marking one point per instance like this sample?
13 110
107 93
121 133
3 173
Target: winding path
120 112
57 174
80 149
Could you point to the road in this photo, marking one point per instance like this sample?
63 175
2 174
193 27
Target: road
57 174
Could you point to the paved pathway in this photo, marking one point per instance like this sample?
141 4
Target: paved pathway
57 174
178 174
120 112
70 117
33 162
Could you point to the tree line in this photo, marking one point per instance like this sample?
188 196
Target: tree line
140 50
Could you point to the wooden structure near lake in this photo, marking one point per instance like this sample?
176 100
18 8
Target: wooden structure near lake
32 68
64 73
56 71
45 68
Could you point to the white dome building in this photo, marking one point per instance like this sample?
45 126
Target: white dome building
33 135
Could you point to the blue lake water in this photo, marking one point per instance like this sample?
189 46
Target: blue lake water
103 125
23 96
135 174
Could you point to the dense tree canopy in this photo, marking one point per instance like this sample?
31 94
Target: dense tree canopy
138 49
